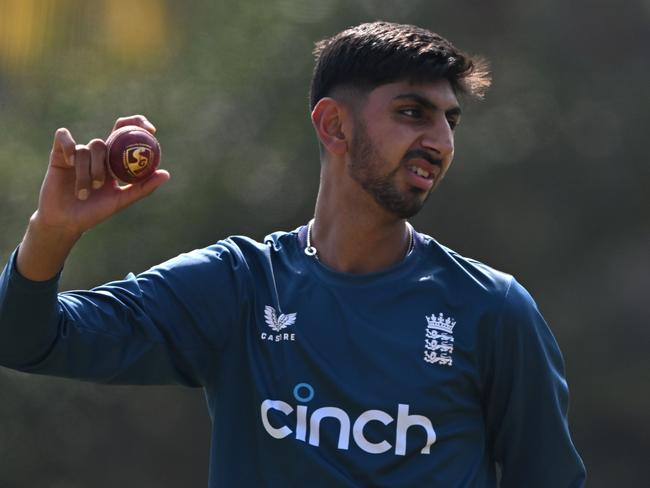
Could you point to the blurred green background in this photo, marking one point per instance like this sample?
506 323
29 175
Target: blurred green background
549 183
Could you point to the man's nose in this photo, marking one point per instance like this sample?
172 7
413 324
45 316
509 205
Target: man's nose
439 137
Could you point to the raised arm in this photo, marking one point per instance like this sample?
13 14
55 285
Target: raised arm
162 326
77 194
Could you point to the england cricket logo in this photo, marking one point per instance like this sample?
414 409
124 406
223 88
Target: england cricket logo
277 324
439 340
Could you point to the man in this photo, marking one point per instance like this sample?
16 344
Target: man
352 352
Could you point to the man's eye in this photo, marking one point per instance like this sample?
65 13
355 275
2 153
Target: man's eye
453 123
415 113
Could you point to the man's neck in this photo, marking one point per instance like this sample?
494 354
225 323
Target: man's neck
357 237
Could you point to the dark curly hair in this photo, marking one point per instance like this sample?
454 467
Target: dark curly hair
373 54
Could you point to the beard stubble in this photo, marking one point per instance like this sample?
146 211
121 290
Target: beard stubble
365 168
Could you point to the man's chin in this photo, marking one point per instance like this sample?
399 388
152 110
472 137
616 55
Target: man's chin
402 203
410 212
406 210
417 201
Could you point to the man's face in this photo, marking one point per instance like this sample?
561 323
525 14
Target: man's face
403 143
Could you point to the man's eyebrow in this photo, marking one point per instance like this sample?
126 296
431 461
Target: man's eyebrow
428 104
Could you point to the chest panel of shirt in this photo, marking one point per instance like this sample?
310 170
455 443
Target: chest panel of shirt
361 348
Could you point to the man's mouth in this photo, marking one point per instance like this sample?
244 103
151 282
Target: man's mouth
422 164
420 172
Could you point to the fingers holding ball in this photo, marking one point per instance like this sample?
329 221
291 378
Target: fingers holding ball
130 154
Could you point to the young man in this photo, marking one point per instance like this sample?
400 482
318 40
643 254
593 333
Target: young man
352 352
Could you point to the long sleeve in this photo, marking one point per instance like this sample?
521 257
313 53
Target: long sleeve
527 401
166 325
21 301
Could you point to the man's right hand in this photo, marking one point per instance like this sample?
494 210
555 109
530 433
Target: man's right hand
78 193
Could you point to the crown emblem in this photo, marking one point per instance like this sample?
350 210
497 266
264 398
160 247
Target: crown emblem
441 323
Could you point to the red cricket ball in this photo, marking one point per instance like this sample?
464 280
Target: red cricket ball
133 153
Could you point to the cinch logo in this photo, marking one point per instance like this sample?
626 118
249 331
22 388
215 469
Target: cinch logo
307 425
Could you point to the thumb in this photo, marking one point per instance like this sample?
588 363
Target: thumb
136 191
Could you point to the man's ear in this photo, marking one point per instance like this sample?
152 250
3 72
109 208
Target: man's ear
328 118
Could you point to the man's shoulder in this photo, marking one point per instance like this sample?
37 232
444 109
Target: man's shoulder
463 271
242 247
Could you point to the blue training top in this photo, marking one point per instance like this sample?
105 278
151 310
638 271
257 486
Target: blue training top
426 374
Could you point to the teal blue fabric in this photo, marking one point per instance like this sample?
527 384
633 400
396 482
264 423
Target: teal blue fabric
428 374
